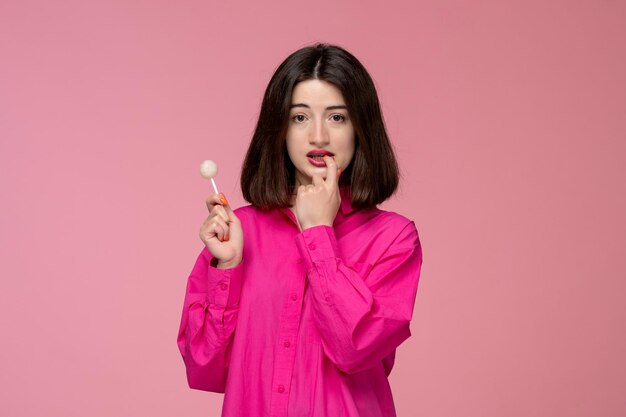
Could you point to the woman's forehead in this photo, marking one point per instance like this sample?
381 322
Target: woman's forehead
315 93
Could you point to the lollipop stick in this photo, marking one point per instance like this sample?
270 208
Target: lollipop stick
214 186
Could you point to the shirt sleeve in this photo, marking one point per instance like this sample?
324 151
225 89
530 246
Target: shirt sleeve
362 311
208 322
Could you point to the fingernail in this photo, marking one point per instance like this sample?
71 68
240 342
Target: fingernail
339 171
223 199
226 237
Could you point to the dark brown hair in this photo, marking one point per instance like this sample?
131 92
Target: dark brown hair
268 175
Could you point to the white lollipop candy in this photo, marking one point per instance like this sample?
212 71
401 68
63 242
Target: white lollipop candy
208 169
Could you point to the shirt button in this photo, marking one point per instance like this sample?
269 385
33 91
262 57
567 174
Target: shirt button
299 260
224 287
327 298
312 246
294 297
281 388
287 343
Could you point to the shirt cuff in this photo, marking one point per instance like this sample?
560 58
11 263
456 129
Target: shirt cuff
224 284
317 243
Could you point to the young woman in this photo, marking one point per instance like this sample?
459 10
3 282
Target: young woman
305 317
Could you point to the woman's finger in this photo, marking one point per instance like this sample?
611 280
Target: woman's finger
212 201
210 231
218 210
215 199
316 180
223 228
331 171
213 228
219 232
232 217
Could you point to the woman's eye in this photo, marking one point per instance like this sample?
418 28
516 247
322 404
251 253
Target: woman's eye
298 118
338 117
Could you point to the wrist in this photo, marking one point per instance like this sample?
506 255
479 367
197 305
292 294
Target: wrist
229 264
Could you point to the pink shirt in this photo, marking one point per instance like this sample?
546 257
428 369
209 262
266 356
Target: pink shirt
308 323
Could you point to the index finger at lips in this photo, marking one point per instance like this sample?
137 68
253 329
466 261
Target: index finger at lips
331 171
317 179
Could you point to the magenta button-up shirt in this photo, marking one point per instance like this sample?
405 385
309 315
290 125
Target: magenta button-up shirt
308 323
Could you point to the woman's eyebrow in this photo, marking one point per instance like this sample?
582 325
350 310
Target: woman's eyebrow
327 108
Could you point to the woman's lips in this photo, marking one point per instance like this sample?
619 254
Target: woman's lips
316 162
319 161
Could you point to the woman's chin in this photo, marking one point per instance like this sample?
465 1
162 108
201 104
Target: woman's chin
306 176
316 171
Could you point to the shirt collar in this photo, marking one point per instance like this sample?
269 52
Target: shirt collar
346 200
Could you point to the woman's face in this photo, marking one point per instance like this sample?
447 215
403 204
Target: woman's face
318 121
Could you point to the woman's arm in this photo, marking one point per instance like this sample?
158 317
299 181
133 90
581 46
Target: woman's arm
208 322
362 311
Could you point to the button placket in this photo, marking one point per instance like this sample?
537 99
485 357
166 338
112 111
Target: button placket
287 344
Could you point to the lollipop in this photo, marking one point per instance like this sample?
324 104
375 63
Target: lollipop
208 169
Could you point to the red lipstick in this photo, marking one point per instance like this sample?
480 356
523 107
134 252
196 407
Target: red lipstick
316 157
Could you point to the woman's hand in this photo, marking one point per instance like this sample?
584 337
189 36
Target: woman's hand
317 203
221 232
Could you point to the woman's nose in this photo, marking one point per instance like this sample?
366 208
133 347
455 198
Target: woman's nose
319 135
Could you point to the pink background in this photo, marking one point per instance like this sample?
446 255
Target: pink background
508 120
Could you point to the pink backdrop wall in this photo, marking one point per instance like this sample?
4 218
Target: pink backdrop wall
508 119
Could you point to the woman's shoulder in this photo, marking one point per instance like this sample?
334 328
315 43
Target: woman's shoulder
251 210
245 213
392 218
244 210
250 214
398 225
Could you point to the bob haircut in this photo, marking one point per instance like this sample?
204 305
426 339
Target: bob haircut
268 176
